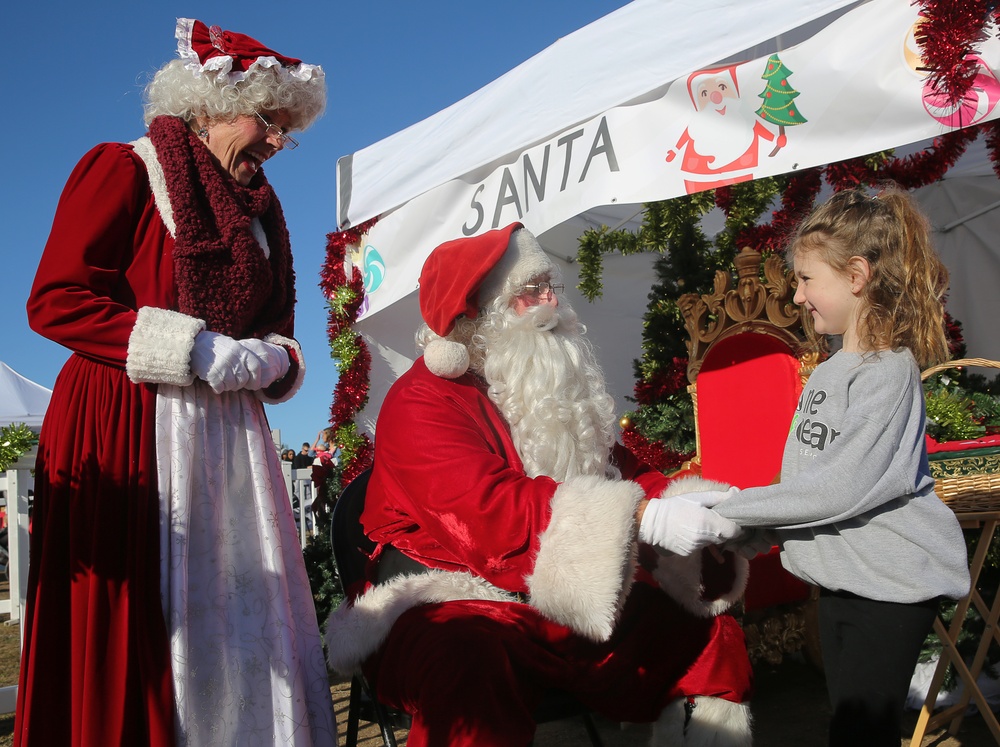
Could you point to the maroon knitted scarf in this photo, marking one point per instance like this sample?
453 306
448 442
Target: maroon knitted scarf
221 272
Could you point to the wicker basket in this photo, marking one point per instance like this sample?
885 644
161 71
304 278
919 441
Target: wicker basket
968 481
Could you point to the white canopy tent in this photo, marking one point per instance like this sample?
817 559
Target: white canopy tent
21 399
580 136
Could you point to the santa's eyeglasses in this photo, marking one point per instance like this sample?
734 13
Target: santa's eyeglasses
541 289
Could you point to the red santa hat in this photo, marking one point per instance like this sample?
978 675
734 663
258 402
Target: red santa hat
698 77
210 50
462 276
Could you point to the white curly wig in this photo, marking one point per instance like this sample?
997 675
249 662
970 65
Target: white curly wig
177 91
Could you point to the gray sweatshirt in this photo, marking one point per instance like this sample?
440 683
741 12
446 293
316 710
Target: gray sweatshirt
855 509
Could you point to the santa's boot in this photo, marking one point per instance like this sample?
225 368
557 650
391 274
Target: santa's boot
703 722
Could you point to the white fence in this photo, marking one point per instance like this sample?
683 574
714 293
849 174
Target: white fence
15 484
302 494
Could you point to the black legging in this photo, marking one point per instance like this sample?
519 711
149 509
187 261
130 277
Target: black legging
870 650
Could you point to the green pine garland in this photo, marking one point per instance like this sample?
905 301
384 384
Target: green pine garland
687 263
671 422
16 440
322 573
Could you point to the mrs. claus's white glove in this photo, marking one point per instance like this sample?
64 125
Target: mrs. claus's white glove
274 360
228 364
683 526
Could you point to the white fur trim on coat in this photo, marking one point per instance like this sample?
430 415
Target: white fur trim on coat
159 347
143 148
354 631
714 723
587 557
300 374
680 576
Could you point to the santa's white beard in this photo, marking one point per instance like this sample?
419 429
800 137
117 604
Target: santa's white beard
724 136
544 377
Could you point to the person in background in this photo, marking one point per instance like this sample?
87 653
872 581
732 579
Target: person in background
508 524
323 442
855 511
304 458
168 601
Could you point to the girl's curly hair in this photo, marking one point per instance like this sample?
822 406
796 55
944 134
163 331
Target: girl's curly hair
903 304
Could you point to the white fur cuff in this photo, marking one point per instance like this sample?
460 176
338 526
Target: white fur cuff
159 348
356 630
587 555
681 576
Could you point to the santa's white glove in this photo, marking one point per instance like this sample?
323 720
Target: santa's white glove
274 358
682 526
228 364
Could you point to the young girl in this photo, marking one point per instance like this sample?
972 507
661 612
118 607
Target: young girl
855 512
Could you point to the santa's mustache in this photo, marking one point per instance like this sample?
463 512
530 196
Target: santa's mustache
548 317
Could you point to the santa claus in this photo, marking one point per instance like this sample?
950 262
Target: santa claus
720 145
519 547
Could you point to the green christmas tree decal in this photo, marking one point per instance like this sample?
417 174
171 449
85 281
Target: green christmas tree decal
778 105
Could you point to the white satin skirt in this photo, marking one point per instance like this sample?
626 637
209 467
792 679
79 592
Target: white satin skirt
247 658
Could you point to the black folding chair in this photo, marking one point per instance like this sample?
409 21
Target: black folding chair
351 548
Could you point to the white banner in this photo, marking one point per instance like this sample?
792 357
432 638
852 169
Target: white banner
854 88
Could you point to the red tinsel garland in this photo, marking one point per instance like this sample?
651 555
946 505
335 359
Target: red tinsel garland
947 36
664 382
992 130
653 453
351 392
796 201
910 172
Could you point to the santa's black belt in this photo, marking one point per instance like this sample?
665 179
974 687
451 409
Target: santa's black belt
392 563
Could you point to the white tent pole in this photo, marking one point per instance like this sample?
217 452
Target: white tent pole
622 223
956 223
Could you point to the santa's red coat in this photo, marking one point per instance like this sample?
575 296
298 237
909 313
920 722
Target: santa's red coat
549 569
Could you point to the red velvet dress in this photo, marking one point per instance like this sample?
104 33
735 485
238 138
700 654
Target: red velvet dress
96 664
93 606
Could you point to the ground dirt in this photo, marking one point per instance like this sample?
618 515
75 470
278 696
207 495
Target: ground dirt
790 710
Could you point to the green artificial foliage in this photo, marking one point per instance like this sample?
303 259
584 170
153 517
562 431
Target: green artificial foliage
958 408
343 349
16 440
687 263
961 406
318 553
670 421
322 572
349 441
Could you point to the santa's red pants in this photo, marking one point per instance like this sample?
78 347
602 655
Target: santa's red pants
471 672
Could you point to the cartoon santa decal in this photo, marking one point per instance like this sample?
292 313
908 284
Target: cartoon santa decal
721 143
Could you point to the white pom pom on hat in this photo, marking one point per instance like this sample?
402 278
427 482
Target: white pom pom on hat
461 276
446 358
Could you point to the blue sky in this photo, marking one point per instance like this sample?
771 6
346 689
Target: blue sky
74 74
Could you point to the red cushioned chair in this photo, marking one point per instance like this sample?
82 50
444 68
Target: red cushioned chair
749 354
